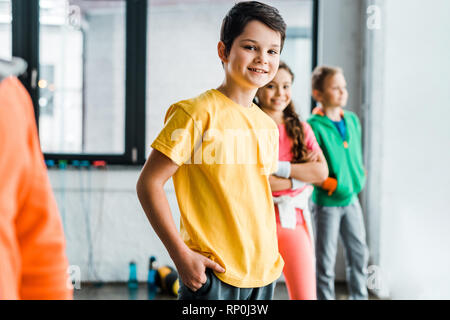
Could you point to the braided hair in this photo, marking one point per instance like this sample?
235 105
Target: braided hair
294 127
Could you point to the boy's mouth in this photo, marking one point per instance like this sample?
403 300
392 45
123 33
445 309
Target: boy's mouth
257 70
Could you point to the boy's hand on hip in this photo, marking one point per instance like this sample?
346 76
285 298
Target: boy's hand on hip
191 269
330 184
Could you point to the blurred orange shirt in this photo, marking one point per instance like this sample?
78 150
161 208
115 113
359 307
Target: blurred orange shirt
33 263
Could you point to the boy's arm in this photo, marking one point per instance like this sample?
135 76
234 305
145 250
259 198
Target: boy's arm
150 189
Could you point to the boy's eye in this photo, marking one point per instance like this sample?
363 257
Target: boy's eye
273 52
286 86
250 47
270 86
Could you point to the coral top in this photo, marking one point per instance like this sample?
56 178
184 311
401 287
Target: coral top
285 154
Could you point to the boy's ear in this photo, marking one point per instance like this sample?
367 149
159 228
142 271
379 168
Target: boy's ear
221 50
317 95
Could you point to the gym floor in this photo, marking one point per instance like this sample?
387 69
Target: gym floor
120 291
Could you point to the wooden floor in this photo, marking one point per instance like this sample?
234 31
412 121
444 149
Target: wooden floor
120 291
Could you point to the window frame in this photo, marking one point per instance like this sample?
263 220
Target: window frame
315 41
25 44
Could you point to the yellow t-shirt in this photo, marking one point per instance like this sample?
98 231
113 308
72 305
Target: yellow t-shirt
225 152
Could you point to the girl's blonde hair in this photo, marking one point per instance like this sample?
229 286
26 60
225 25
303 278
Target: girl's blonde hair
319 75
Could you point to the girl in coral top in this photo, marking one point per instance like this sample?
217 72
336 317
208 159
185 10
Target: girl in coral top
301 163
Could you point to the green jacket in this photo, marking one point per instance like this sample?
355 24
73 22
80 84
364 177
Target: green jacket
344 158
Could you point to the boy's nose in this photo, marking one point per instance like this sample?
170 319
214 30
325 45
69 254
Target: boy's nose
262 58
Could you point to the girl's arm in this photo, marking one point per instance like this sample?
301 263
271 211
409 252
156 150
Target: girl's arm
278 184
311 172
150 189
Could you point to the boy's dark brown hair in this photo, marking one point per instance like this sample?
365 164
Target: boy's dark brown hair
242 13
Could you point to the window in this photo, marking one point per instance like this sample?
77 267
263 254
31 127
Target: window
5 29
298 51
86 76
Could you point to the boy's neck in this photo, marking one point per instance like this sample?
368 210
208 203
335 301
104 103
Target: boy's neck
332 112
241 96
276 116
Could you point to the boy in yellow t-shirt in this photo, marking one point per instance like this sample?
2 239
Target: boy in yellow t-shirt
220 148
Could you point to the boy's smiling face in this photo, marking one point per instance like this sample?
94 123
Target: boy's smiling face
254 56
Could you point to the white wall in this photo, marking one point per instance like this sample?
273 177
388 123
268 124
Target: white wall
340 43
118 230
415 177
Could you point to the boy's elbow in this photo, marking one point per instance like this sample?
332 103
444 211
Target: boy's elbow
142 187
147 183
139 187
